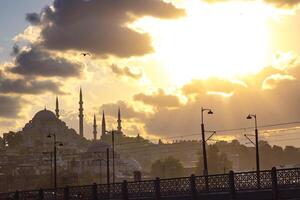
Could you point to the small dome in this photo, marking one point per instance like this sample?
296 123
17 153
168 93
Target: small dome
98 146
44 115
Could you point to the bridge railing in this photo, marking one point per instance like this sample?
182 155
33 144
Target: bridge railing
185 186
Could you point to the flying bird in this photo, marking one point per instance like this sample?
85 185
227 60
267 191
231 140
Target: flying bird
86 54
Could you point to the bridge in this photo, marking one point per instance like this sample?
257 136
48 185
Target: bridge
272 184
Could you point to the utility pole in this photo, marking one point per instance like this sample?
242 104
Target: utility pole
251 116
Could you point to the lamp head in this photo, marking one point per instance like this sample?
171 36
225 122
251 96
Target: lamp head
249 117
210 112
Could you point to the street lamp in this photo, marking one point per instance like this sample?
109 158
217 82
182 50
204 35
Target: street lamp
55 143
113 152
100 159
210 112
253 116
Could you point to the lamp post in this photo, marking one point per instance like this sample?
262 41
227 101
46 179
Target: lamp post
107 173
209 111
253 116
113 154
100 159
55 143
100 156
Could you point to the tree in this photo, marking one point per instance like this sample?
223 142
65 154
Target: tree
217 161
169 167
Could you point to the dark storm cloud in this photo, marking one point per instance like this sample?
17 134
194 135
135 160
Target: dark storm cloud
36 62
126 71
159 99
99 26
10 106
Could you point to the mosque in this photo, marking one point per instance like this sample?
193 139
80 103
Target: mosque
77 154
45 122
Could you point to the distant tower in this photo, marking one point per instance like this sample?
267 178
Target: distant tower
119 122
95 128
80 114
103 125
57 108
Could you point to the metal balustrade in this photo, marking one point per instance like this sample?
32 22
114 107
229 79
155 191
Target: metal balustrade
232 183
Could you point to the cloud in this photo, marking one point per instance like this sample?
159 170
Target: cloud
15 50
33 18
10 106
212 85
159 99
127 111
38 62
280 102
100 26
30 34
126 71
26 86
283 3
273 80
277 3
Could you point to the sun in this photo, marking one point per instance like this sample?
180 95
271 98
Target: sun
222 40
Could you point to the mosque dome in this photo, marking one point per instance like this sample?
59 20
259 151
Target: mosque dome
98 146
44 115
134 164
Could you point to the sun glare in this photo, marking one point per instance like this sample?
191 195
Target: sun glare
212 40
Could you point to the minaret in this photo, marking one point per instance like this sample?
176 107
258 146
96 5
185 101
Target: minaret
95 128
80 114
119 122
103 124
57 108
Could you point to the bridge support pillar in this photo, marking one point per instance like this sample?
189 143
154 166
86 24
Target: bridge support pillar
125 190
66 193
16 196
41 194
232 186
193 187
157 189
94 191
274 184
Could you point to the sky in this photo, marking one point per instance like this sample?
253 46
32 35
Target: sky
160 61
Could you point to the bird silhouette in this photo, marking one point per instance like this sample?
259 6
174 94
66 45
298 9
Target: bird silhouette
86 54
